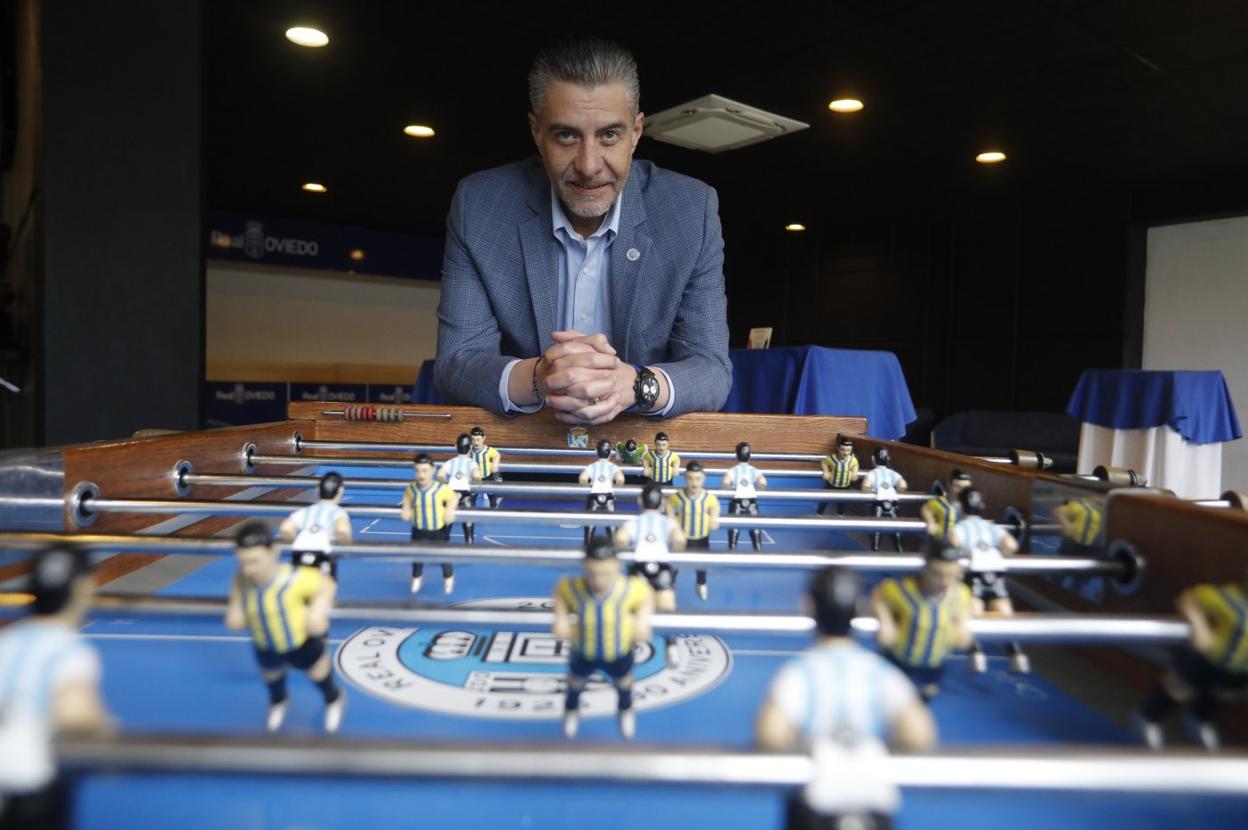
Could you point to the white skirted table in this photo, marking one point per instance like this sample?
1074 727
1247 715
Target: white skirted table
1167 426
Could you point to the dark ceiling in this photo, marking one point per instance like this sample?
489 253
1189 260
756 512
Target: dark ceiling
1137 96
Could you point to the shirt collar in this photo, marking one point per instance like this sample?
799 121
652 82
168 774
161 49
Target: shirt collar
559 220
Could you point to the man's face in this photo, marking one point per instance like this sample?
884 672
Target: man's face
937 577
957 486
478 441
844 450
661 446
258 564
586 138
424 474
694 482
600 574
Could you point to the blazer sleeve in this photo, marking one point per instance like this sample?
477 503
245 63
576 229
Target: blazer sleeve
698 363
469 360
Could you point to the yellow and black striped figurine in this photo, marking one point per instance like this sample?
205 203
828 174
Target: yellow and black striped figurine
840 472
661 464
697 512
942 511
602 614
924 618
1080 522
488 459
429 506
1212 665
287 610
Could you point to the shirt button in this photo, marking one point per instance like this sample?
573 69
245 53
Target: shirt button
585 272
584 317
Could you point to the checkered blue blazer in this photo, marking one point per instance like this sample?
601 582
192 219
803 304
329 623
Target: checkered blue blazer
500 283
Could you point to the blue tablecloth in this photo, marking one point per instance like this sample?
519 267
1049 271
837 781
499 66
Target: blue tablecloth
801 380
1196 405
812 380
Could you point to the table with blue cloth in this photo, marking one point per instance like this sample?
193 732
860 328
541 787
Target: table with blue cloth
1166 425
798 380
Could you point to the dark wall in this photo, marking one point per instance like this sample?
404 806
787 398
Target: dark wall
988 302
120 218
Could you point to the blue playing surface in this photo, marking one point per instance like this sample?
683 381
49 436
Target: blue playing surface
193 675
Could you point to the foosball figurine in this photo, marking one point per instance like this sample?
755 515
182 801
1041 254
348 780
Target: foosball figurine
312 531
661 464
840 472
603 476
846 706
1080 523
287 609
886 483
650 535
986 545
429 506
458 473
943 510
697 512
744 480
630 453
49 686
1213 663
487 459
612 614
924 618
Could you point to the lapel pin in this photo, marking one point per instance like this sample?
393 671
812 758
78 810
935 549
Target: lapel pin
633 254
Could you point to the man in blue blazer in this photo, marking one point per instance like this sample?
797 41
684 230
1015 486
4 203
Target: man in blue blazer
583 280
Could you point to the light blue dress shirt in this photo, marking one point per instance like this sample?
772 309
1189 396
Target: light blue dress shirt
584 287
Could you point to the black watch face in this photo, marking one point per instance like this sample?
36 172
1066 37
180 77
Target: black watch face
647 390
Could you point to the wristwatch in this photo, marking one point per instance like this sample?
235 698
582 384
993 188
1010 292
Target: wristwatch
645 389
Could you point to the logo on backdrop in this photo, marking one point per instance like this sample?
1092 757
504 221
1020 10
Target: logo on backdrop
516 675
255 243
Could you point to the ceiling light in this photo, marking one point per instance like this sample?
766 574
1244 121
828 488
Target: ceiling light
418 131
845 105
991 157
357 255
795 226
306 36
315 187
714 123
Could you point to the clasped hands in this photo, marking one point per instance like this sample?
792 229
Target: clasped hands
583 379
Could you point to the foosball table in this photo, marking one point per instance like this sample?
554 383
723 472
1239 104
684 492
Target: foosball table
454 698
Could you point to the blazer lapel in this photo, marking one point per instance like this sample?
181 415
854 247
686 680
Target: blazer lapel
631 264
541 261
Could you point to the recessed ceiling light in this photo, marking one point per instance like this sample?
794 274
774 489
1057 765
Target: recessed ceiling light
315 187
845 105
991 157
418 131
795 226
306 36
357 254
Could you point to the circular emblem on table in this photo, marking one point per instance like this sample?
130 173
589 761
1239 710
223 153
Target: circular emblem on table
516 675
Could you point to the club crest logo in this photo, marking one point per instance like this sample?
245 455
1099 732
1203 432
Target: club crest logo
578 438
515 675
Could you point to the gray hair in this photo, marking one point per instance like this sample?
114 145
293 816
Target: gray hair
587 62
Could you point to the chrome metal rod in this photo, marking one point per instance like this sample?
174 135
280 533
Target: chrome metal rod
558 452
407 413
561 557
580 518
1023 768
1069 629
533 489
1211 502
534 467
